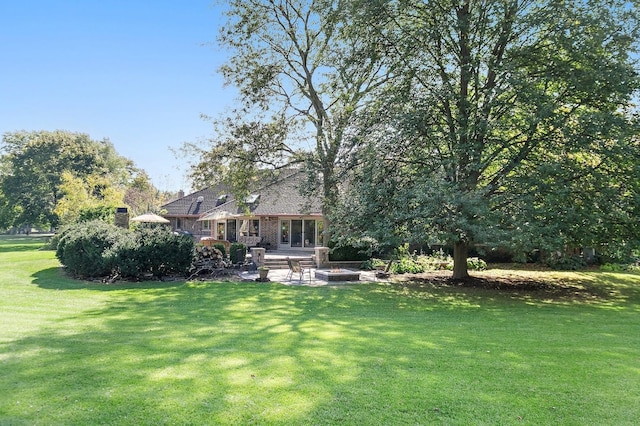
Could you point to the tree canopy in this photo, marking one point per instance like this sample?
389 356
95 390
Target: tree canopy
510 119
303 75
47 178
460 123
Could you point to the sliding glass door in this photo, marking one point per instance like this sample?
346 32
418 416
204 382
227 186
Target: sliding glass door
299 233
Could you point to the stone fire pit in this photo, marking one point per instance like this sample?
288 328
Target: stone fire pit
337 275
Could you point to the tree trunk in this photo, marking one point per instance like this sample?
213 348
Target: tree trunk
460 249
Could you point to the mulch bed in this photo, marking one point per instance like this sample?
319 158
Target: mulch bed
508 284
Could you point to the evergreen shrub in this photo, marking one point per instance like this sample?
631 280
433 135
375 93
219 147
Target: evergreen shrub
233 248
81 247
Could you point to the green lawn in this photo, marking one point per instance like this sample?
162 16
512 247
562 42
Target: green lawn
366 354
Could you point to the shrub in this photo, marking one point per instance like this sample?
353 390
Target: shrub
233 248
352 249
222 249
93 249
161 253
123 257
476 264
566 262
436 261
407 265
81 248
371 264
406 262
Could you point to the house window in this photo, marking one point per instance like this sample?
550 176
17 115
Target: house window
305 233
206 225
220 231
250 227
232 227
309 233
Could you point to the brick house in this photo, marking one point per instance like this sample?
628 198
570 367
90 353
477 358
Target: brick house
278 216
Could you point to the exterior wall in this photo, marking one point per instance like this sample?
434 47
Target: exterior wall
269 230
189 224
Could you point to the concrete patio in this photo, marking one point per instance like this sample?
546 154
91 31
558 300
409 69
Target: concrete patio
280 276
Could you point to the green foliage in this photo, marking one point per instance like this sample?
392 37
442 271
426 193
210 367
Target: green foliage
97 249
505 125
476 264
124 257
42 171
233 249
406 262
565 262
407 265
160 252
371 264
81 247
352 249
221 248
103 213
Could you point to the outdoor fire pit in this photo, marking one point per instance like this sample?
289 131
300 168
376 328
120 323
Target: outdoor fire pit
337 275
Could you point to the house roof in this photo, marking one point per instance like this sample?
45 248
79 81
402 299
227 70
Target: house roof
196 203
280 198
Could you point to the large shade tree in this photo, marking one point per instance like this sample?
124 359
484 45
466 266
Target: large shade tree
34 166
303 75
509 119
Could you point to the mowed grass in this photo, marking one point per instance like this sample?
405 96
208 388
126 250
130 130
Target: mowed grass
177 353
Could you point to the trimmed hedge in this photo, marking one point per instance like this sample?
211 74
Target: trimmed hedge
81 247
97 249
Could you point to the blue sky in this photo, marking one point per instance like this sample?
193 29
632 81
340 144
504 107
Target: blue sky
138 72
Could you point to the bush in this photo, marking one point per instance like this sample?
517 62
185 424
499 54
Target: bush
476 264
81 247
371 264
407 265
352 249
233 255
96 249
222 249
436 261
162 253
566 262
123 257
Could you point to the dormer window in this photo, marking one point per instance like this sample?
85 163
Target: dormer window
221 200
252 198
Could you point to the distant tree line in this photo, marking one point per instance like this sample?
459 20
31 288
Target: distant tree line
53 178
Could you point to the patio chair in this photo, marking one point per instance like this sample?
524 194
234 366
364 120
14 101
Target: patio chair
296 268
384 272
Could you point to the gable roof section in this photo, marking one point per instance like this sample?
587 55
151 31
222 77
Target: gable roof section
280 198
196 203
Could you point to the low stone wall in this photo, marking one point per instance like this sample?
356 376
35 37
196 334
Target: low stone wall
345 265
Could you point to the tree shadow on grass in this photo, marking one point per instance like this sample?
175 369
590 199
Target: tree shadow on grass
211 354
239 353
602 289
56 279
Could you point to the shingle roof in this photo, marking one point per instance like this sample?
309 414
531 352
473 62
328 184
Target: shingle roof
280 198
195 204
